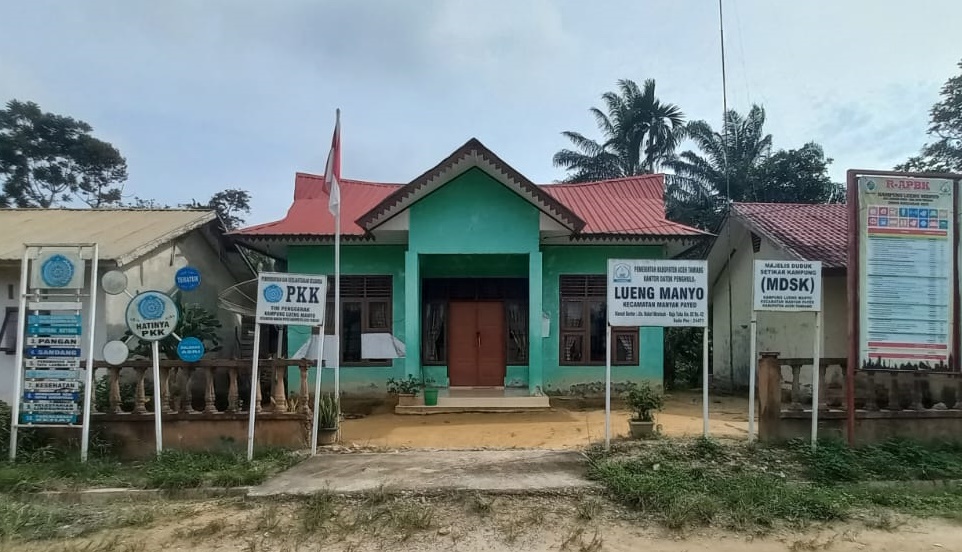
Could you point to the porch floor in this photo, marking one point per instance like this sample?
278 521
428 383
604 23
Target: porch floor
480 399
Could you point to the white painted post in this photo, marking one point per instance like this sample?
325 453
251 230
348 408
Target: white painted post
752 369
607 387
89 379
816 362
252 404
18 370
317 390
704 383
158 423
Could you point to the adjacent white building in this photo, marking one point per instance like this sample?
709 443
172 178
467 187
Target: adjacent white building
149 246
776 231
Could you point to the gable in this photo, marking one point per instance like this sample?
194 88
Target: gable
473 213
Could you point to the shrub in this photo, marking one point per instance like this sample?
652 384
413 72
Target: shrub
643 401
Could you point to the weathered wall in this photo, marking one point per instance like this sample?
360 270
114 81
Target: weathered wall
792 335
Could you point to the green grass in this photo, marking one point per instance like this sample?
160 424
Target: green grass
702 482
172 470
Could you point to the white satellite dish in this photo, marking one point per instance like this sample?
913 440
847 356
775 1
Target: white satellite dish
240 298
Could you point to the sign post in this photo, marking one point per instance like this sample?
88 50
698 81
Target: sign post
285 300
786 286
660 293
50 332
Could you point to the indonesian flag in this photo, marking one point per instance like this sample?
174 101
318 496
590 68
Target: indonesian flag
332 173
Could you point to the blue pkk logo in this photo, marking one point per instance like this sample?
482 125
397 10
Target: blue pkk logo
57 271
151 308
187 278
273 293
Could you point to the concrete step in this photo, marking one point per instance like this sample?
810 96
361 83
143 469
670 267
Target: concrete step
450 405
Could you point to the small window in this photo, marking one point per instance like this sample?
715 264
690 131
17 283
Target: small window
434 349
365 308
8 331
583 322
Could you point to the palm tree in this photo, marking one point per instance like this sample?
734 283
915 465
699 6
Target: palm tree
640 135
724 171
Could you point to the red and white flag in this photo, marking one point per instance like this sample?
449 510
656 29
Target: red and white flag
332 173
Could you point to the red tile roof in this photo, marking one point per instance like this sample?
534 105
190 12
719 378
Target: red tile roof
627 206
623 206
810 232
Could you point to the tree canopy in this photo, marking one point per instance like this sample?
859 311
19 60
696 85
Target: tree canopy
47 159
944 154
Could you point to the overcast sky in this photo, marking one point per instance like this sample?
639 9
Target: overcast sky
204 95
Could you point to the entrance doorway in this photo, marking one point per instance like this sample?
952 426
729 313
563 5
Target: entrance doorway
477 344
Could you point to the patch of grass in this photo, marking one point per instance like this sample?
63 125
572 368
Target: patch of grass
893 460
589 508
409 519
316 511
576 541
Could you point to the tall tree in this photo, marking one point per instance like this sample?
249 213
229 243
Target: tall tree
945 125
48 159
738 165
640 133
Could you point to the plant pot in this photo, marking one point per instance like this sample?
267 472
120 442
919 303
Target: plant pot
407 399
641 430
430 397
326 436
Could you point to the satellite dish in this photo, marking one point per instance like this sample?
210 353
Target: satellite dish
240 298
115 352
114 282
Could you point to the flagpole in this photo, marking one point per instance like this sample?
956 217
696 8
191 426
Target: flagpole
337 312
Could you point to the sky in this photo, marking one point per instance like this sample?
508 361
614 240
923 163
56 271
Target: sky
206 95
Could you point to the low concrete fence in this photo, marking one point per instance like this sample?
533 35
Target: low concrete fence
888 403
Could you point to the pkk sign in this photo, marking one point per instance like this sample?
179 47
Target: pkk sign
788 286
657 293
285 299
152 316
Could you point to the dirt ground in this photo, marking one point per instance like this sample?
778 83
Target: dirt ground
474 523
558 428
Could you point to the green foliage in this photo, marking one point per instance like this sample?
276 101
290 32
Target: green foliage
643 401
639 132
407 386
195 321
328 412
47 159
128 393
229 204
683 358
944 154
893 460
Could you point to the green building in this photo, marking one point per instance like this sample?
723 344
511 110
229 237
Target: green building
488 279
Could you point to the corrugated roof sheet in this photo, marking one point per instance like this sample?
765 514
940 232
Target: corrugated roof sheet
632 205
309 215
624 206
122 234
810 232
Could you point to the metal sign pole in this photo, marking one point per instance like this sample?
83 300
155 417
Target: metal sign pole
816 363
704 383
317 390
252 404
752 369
18 373
89 376
158 423
607 386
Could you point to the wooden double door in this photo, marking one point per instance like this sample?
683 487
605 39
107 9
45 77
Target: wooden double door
476 344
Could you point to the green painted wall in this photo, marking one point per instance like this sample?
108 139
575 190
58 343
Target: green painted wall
473 213
359 260
593 259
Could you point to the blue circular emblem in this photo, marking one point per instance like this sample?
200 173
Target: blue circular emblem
187 278
56 271
151 308
273 293
190 349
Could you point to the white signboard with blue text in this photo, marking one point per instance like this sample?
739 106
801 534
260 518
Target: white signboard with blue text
291 299
656 292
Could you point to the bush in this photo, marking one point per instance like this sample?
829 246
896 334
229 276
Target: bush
408 386
328 412
644 401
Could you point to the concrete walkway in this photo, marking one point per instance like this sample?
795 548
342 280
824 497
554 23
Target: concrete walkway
433 471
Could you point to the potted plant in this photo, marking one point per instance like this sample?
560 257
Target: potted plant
328 414
405 389
430 393
644 402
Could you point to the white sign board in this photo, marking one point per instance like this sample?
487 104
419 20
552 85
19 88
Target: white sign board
152 315
650 292
291 299
788 286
